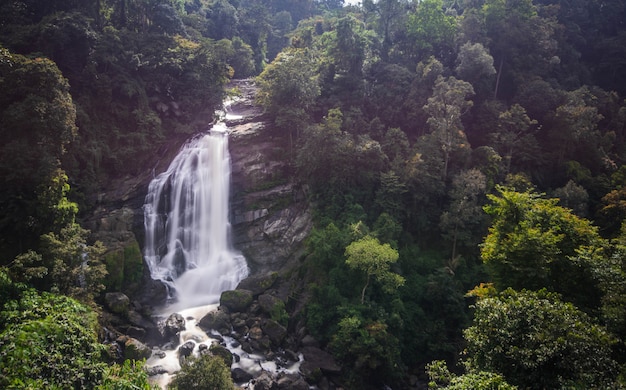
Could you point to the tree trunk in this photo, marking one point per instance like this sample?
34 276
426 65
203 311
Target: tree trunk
367 282
495 93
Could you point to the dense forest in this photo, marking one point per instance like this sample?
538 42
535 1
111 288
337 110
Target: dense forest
465 159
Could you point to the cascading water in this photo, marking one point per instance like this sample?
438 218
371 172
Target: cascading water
187 225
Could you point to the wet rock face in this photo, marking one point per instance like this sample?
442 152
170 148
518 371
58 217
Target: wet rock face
174 324
270 215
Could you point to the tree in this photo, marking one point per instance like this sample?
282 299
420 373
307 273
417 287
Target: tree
65 264
446 106
519 38
474 64
37 123
374 259
464 219
514 135
288 86
536 341
48 340
533 244
574 197
368 350
432 30
575 131
203 372
441 378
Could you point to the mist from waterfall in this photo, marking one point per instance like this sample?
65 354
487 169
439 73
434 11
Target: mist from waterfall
186 217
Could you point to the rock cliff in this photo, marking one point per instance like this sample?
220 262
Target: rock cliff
269 213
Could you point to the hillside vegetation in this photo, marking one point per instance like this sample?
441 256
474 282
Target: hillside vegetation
466 163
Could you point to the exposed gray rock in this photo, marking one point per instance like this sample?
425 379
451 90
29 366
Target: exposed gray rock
136 332
216 320
265 382
309 341
315 358
174 324
240 376
259 283
222 352
268 303
156 370
275 331
186 349
288 381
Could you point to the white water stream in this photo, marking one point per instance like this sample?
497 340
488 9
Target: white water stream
188 246
186 217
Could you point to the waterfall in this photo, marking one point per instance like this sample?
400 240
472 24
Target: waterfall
186 217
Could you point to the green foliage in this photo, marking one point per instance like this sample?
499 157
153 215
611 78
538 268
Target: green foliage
374 259
126 376
431 29
446 106
203 372
55 336
279 314
124 267
533 243
442 378
75 268
367 349
37 118
537 341
290 80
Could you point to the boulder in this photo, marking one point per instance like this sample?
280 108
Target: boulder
240 376
288 381
269 303
136 350
156 370
309 341
258 284
216 320
316 359
275 331
265 382
174 324
186 349
222 352
117 302
236 300
255 333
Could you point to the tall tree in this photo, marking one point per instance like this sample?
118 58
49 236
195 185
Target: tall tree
446 106
374 259
431 31
464 219
514 137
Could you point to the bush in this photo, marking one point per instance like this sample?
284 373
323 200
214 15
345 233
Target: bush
203 372
49 340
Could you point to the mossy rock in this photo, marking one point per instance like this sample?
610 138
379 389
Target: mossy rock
124 266
275 331
221 352
236 300
136 350
117 302
258 284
